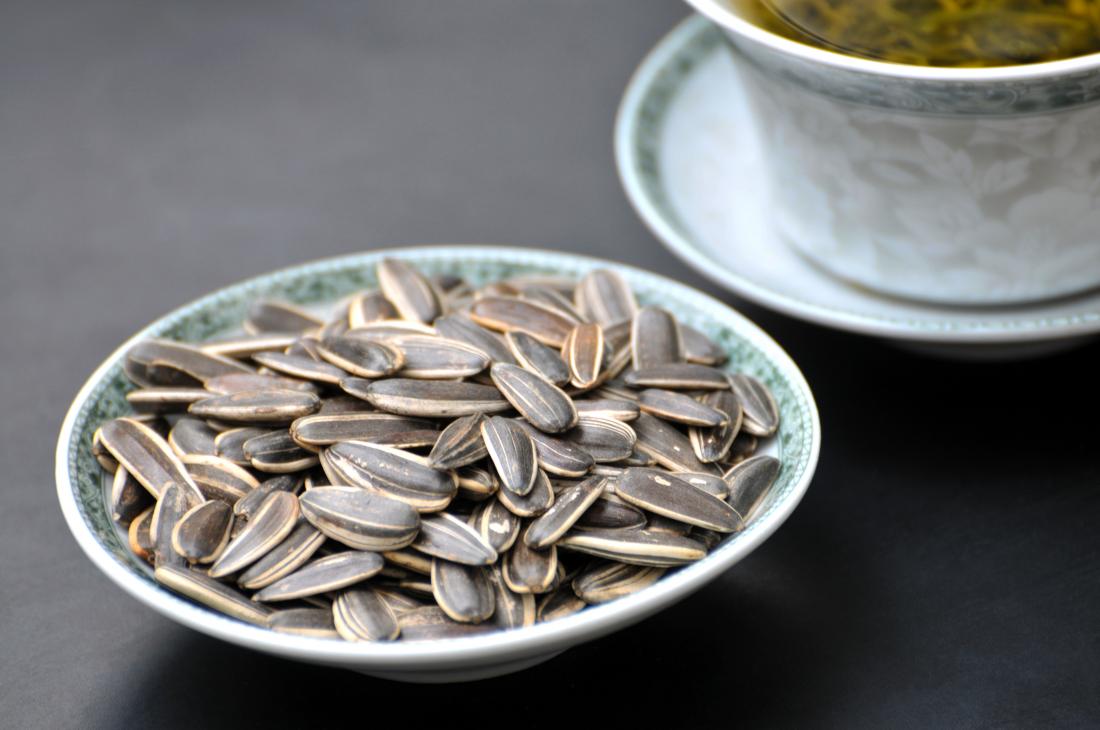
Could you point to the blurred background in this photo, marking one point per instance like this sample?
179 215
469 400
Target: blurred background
943 571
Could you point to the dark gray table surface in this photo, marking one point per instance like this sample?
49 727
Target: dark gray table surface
943 570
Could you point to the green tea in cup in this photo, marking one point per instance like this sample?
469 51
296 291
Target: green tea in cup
936 32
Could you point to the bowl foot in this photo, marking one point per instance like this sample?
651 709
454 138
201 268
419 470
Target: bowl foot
461 674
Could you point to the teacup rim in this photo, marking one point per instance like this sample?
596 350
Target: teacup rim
717 12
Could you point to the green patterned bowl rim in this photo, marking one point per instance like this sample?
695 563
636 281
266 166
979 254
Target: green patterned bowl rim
638 126
80 483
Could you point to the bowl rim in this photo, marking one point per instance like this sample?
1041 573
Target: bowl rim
1026 327
718 12
547 638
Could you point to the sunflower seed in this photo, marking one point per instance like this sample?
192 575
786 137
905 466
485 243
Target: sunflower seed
749 483
445 536
360 357
323 429
369 307
512 452
202 532
267 528
497 526
604 582
246 506
128 498
431 398
611 513
462 328
162 362
537 357
526 570
360 519
712 444
506 314
240 346
513 610
210 592
663 494
139 538
163 399
430 357
655 339
329 573
410 560
559 604
551 298
604 439
569 505
278 453
285 558
430 623
667 445
316 623
218 478
462 591
617 410
272 316
389 329
679 408
190 436
532 504
476 482
678 376
393 473
635 547
146 456
700 349
171 506
237 382
459 444
583 352
229 445
556 455
362 615
759 406
300 366
605 297
543 404
275 407
409 291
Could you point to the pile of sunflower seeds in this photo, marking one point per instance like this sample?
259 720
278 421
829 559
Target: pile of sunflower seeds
436 460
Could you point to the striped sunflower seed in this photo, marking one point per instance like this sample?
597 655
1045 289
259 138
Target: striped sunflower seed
700 349
315 623
267 528
330 573
164 399
604 439
655 339
475 482
427 398
430 623
749 483
462 328
513 610
274 407
128 498
679 408
218 478
532 504
667 445
409 291
526 570
543 404
139 537
202 532
323 429
211 593
558 456
713 443
246 345
171 507
635 547
162 362
459 444
392 473
237 382
611 513
532 355
190 436
661 493
569 505
506 314
272 316
410 560
560 603
678 376
463 591
300 366
512 452
278 453
583 352
360 519
759 406
363 615
447 537
285 558
617 410
146 456
360 357
604 296
430 357
600 583
229 445
369 307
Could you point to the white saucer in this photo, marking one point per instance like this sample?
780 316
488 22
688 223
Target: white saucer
688 157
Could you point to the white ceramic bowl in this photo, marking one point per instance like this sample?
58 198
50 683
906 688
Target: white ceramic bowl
80 482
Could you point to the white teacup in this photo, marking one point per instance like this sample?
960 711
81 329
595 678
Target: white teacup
952 185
